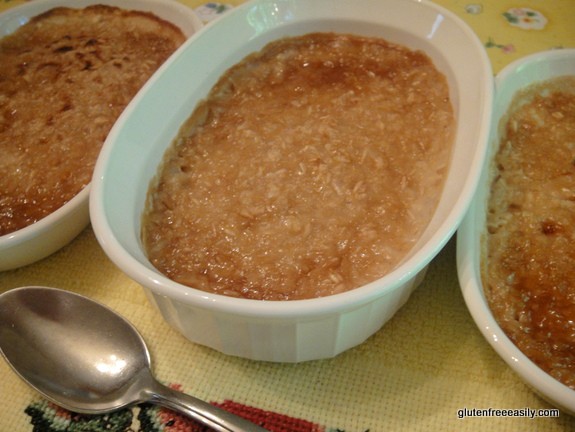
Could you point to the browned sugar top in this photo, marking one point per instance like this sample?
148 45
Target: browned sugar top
65 77
311 169
530 277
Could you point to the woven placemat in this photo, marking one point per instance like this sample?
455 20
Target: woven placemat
416 373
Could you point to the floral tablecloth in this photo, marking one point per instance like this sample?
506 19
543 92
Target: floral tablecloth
424 371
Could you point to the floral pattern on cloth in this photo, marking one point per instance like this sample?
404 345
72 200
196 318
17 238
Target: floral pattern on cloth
212 10
512 30
47 417
525 18
505 48
155 419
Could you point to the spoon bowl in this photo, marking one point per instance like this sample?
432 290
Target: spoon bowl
86 358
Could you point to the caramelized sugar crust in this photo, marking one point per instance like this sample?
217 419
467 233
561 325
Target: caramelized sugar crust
65 77
312 168
530 277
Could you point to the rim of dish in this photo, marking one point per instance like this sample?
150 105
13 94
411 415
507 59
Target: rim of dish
471 284
163 286
20 15
540 380
45 224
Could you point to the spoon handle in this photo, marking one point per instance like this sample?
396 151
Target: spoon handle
207 414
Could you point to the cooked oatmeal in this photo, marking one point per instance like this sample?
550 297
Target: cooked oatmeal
312 168
530 277
65 77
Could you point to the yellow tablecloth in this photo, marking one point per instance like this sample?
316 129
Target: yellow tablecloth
415 374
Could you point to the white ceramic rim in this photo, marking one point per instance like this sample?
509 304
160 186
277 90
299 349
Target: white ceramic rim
470 274
14 18
45 224
162 286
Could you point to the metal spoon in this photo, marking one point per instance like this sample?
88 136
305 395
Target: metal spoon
87 359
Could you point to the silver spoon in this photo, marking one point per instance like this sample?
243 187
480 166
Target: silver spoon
87 359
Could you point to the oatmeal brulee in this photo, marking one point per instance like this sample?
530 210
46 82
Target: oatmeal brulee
312 168
530 264
65 77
